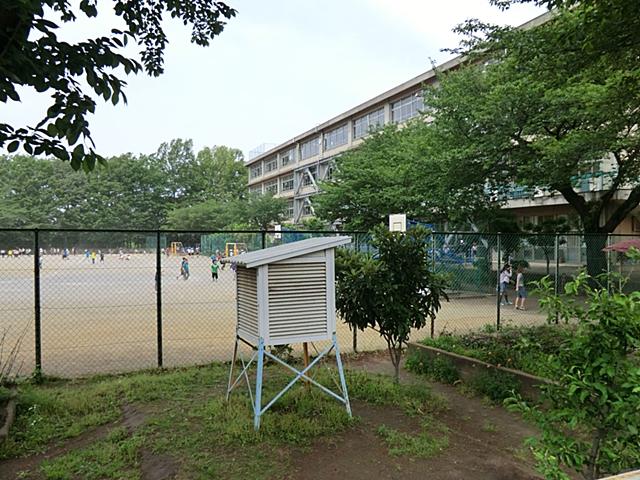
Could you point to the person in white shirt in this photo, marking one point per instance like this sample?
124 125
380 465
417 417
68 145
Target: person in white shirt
521 290
505 278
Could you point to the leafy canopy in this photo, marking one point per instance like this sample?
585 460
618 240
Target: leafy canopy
32 56
542 107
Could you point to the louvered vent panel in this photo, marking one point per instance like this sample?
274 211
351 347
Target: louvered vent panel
297 299
247 301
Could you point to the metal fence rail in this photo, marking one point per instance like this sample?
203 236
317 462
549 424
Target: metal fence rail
105 301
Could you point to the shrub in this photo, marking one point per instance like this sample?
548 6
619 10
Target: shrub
591 418
495 385
438 368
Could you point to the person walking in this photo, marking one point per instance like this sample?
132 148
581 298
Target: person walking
184 269
505 279
93 257
214 271
520 289
101 256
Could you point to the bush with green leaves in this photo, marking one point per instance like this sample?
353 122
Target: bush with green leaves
392 292
438 368
590 419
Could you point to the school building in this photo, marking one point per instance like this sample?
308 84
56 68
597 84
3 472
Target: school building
293 169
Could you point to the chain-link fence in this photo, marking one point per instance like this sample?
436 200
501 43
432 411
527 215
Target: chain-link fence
84 302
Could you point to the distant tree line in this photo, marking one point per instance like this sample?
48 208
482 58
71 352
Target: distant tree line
174 187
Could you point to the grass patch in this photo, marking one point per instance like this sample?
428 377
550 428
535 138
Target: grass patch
423 445
187 419
115 457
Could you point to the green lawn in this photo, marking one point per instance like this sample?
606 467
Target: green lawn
182 418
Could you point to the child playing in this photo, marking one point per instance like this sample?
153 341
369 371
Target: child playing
214 271
520 288
505 279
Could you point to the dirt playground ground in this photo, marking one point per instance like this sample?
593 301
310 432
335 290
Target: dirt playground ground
102 318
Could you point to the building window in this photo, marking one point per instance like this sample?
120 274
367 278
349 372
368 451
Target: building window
255 188
271 187
407 107
367 123
287 157
256 171
310 148
286 183
271 165
336 137
307 209
290 210
307 175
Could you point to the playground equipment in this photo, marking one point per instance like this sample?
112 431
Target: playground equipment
176 248
234 249
286 295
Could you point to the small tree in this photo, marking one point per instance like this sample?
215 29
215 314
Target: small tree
393 291
590 418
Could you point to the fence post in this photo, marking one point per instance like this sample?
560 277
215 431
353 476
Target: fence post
499 296
159 298
36 304
557 270
264 239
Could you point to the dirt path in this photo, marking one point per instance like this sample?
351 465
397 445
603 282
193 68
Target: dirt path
485 442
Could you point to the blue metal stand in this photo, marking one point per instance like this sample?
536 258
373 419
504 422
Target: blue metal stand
260 353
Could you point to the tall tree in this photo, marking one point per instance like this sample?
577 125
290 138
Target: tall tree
551 106
402 170
32 56
219 173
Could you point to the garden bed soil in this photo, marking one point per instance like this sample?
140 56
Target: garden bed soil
484 442
468 368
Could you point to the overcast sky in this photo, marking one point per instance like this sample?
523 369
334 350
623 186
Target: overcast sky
279 68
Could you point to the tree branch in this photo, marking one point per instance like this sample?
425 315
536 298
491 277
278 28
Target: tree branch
632 201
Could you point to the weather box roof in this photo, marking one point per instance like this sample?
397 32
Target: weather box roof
286 251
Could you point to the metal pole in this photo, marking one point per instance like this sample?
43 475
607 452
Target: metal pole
264 239
498 281
36 303
557 272
433 251
257 409
159 298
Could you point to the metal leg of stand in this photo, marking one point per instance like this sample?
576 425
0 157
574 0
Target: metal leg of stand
257 409
233 362
343 382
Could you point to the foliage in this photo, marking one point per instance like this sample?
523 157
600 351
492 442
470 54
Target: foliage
545 236
264 210
549 106
590 422
393 292
174 187
520 348
495 384
395 170
439 368
34 57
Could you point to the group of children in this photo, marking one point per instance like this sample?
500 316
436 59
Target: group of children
216 266
521 291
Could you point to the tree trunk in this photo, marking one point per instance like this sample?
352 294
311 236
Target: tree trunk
596 258
355 340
